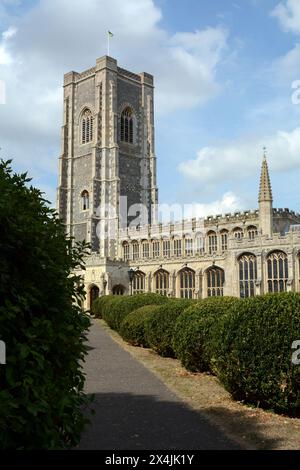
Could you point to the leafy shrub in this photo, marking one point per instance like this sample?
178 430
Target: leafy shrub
121 306
41 323
159 327
253 351
133 326
100 304
194 330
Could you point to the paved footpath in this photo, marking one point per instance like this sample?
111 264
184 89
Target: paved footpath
135 410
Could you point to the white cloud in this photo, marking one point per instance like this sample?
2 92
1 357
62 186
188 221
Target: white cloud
240 160
56 36
228 203
288 15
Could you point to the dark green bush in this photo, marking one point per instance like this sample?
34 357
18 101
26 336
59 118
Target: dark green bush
159 327
253 351
41 385
117 310
133 326
194 330
100 304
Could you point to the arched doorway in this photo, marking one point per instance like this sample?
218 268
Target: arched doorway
118 289
94 294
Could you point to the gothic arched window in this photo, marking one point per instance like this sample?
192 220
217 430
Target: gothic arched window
224 240
187 283
215 282
85 200
135 250
277 271
212 242
161 282
138 282
127 125
126 251
238 233
247 275
252 232
87 122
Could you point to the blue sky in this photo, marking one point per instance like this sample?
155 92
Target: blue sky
223 74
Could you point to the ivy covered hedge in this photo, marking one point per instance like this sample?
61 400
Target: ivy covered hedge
195 329
253 355
41 323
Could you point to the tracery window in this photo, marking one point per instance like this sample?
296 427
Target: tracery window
126 251
252 232
215 281
247 275
138 282
127 125
145 248
188 246
177 247
212 243
156 248
135 250
224 240
277 262
166 248
238 233
187 283
199 244
162 282
87 123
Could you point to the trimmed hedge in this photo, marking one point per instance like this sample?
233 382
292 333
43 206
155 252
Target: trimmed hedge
253 351
100 304
159 327
121 306
133 326
42 398
194 330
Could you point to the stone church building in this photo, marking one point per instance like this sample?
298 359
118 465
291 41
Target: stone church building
107 195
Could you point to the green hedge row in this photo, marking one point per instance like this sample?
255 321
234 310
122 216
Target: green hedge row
134 325
117 308
246 343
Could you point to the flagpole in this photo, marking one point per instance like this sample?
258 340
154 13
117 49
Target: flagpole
108 43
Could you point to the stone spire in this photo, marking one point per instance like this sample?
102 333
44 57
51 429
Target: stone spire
265 189
265 200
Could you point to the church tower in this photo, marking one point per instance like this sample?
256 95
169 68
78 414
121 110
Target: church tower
108 157
265 200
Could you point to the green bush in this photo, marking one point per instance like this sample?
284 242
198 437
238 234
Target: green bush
133 326
194 330
159 327
253 351
100 304
41 323
117 310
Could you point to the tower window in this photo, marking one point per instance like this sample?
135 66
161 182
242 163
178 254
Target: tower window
87 127
85 200
127 125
